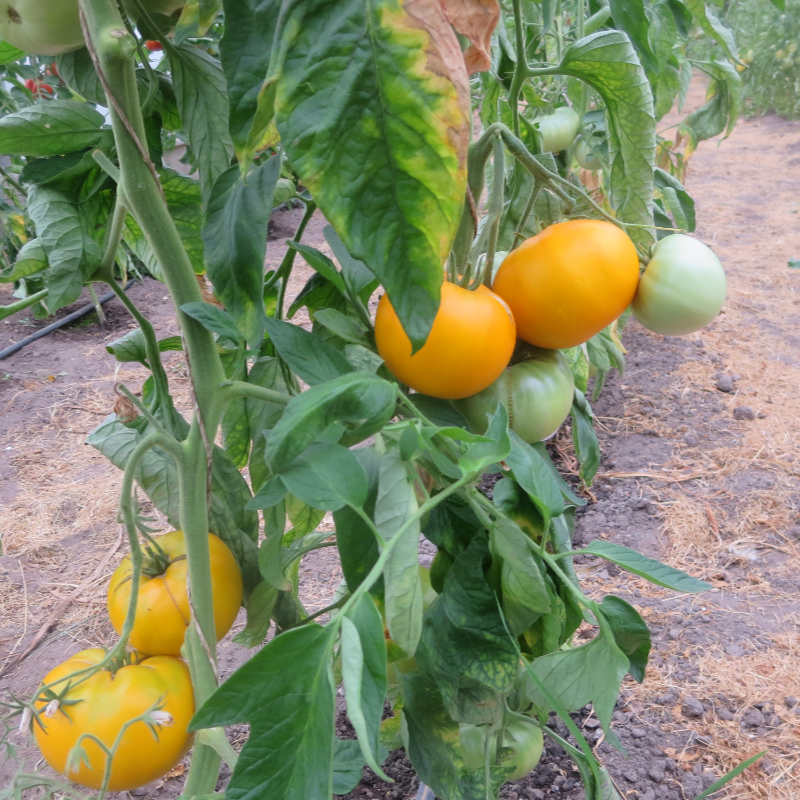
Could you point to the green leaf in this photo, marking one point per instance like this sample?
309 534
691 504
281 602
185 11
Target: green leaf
214 319
270 553
401 95
794 263
439 412
77 71
348 764
50 129
245 50
677 200
355 540
303 517
708 21
235 236
359 280
326 476
311 358
630 633
286 693
317 293
157 473
342 325
196 18
201 95
357 397
182 194
72 256
452 525
647 568
9 53
591 673
607 61
364 675
463 634
56 169
362 358
31 259
734 773
533 474
721 111
320 263
259 607
481 454
630 16
262 416
587 448
402 587
524 591
270 494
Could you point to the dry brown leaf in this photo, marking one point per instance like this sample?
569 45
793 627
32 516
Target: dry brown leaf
475 19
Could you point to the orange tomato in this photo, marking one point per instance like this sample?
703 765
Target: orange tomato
568 282
469 345
162 608
100 706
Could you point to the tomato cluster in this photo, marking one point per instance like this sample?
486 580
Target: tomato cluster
555 291
143 704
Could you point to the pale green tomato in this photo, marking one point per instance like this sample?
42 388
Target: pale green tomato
585 157
536 392
558 129
523 737
682 289
41 28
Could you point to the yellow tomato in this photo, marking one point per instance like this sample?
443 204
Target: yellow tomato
568 282
162 609
469 345
102 704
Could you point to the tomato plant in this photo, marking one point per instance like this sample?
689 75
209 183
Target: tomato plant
537 392
569 282
141 709
425 159
454 362
162 610
153 45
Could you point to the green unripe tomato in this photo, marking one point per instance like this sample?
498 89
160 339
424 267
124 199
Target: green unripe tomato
682 289
524 738
536 392
41 28
585 157
558 129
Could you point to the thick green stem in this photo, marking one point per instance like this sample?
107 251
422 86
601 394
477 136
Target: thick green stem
7 311
521 68
112 50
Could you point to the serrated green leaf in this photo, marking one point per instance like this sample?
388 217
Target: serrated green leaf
711 25
214 319
50 129
259 615
31 260
721 111
201 95
630 633
235 236
534 476
607 61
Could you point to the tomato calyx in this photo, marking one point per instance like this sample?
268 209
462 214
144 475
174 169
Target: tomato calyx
156 561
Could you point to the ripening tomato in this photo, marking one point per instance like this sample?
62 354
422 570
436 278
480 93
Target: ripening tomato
153 45
162 609
585 156
470 343
682 289
524 738
102 704
43 29
558 129
568 282
537 393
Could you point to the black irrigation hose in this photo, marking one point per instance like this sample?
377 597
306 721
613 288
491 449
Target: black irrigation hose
58 324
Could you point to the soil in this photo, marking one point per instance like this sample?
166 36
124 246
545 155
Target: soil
688 476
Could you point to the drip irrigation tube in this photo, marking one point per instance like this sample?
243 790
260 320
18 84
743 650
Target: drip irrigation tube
58 324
